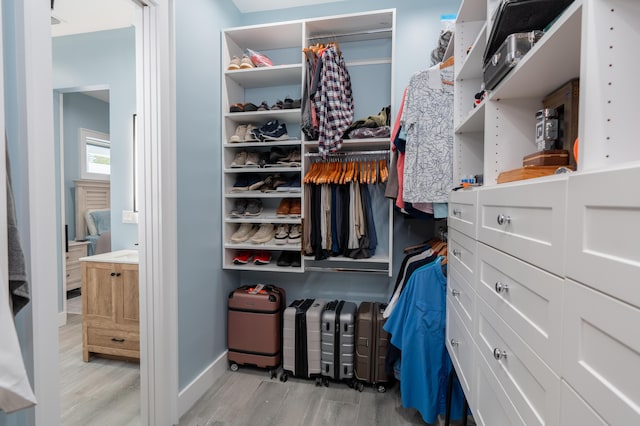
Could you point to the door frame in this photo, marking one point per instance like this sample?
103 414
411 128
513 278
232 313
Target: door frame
157 228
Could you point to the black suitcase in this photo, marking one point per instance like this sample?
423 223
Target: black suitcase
520 16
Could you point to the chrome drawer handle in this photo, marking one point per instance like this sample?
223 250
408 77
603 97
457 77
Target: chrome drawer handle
502 219
499 354
500 287
456 253
457 212
455 292
454 342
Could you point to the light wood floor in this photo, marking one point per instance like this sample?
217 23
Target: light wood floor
102 392
249 397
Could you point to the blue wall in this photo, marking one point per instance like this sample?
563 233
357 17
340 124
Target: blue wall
79 111
203 286
106 59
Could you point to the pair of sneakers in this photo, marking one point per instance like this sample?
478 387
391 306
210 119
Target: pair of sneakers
247 182
288 234
255 234
260 257
240 63
244 133
248 159
247 207
271 131
289 258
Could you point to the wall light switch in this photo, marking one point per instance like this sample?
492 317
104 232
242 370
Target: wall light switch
129 216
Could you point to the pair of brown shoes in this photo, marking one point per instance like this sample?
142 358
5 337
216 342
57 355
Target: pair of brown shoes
289 207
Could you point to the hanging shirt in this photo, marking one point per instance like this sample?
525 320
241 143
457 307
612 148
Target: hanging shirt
334 101
428 120
417 328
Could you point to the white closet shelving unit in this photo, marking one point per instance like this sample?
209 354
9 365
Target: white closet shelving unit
543 272
367 42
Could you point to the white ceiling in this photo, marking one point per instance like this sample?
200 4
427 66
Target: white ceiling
83 16
246 6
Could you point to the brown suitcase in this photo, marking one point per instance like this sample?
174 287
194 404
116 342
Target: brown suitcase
254 327
371 346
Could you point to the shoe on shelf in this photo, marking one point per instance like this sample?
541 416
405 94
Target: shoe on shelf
268 183
234 64
292 159
295 234
239 134
239 208
254 207
284 259
296 207
244 232
294 184
295 260
282 234
254 182
253 159
242 257
275 155
263 106
288 103
264 235
269 126
296 103
249 135
280 181
249 107
246 63
240 159
236 108
284 207
262 257
278 105
241 184
279 134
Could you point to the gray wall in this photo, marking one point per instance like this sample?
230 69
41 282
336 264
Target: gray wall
203 286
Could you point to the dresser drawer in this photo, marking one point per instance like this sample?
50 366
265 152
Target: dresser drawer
462 296
527 221
601 353
117 340
492 405
530 384
461 349
463 211
603 232
575 411
525 297
461 253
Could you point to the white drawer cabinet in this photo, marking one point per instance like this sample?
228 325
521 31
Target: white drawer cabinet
525 297
526 221
601 353
463 212
461 348
461 253
603 232
575 411
530 384
462 296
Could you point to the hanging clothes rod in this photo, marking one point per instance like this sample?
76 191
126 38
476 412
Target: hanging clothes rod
347 153
351 34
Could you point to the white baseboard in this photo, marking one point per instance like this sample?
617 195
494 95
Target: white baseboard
62 319
188 396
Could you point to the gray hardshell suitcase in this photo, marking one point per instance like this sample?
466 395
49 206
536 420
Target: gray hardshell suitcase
508 55
338 340
301 339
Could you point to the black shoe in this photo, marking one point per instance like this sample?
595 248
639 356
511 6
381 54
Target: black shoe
284 259
295 260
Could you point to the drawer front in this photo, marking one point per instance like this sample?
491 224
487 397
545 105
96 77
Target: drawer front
115 339
527 298
462 296
603 232
461 253
463 212
493 406
530 384
527 221
76 252
601 353
460 346
575 411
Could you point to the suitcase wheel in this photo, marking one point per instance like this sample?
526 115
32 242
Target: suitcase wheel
360 387
325 382
382 389
273 373
318 381
233 366
284 377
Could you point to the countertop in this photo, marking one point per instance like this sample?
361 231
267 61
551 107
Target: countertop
118 256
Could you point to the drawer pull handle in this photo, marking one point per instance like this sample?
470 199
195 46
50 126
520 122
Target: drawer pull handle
502 219
456 253
500 287
113 274
499 354
455 292
454 343
114 339
457 212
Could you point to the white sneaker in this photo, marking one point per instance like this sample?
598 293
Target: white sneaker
249 136
264 234
244 232
239 134
295 234
239 160
282 233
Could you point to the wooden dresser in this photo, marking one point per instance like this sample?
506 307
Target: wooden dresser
110 305
77 249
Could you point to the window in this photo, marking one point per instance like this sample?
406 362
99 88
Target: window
95 155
